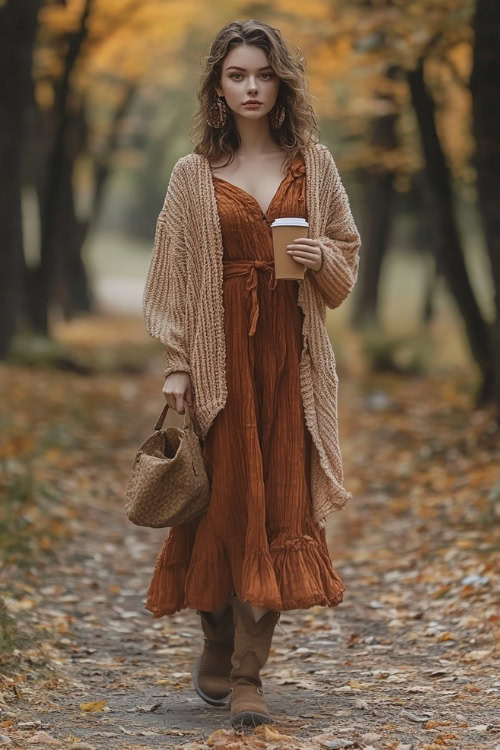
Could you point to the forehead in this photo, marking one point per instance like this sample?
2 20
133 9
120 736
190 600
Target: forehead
246 56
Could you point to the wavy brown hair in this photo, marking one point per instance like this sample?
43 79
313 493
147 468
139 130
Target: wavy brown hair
300 123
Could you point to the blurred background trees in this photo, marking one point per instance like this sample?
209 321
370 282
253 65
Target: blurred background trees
97 97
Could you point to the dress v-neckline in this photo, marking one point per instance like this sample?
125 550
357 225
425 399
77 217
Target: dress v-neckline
264 213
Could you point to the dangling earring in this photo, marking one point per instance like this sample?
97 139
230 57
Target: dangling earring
217 113
277 115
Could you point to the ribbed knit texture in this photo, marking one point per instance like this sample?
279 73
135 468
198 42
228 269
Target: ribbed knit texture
183 303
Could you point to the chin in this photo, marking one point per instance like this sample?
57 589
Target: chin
261 112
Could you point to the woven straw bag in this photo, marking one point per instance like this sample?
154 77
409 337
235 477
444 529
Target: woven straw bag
168 483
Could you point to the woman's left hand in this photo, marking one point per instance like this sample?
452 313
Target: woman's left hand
307 251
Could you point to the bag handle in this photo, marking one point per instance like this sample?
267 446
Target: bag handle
188 417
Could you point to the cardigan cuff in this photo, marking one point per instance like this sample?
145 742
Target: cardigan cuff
179 367
175 361
336 277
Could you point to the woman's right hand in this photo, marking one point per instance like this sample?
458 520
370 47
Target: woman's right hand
177 389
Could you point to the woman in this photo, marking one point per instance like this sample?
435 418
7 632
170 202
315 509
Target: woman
251 355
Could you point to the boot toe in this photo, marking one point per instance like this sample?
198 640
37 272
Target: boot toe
248 707
214 690
250 719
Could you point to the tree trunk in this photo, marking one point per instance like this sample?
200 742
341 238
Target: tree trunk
72 288
50 274
18 24
376 220
378 192
103 160
446 244
485 90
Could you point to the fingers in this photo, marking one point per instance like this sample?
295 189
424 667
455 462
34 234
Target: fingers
306 241
177 399
303 256
310 257
306 244
306 252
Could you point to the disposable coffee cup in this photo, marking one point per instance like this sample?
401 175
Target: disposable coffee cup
284 231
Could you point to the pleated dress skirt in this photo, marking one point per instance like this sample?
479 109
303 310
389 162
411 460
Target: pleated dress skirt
258 537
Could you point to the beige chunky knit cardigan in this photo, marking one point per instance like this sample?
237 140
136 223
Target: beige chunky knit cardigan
183 303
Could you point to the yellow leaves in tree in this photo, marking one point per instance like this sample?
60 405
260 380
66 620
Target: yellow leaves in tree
315 10
154 35
62 19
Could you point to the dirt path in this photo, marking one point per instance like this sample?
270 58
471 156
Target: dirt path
410 659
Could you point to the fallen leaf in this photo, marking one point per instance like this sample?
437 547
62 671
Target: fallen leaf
265 731
93 705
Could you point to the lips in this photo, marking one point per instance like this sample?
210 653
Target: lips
254 103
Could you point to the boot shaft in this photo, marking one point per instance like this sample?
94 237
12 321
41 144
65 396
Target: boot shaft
252 640
252 644
213 668
223 632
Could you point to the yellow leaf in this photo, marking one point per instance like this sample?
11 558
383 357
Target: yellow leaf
93 705
217 737
359 685
447 636
272 735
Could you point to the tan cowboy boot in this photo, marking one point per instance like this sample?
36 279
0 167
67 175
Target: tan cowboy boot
212 670
252 643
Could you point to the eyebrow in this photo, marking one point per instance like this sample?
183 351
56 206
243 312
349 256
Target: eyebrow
238 68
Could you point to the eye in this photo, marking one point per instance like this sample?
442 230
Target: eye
232 75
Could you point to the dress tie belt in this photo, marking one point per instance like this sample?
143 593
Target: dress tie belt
250 267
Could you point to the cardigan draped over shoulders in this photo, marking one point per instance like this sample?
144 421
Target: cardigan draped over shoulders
183 302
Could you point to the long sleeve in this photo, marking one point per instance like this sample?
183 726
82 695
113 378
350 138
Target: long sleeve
339 270
164 298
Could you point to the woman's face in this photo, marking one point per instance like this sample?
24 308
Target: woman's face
246 74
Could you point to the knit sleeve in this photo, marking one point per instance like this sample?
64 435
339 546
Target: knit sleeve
164 298
339 270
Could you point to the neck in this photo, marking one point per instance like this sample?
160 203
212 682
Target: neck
256 138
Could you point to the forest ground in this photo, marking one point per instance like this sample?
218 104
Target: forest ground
410 660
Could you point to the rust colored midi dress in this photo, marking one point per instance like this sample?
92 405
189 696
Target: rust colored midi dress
258 537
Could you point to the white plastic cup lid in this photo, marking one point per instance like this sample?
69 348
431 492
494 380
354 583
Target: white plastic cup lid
291 221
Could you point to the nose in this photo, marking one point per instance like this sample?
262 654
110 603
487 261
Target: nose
252 87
